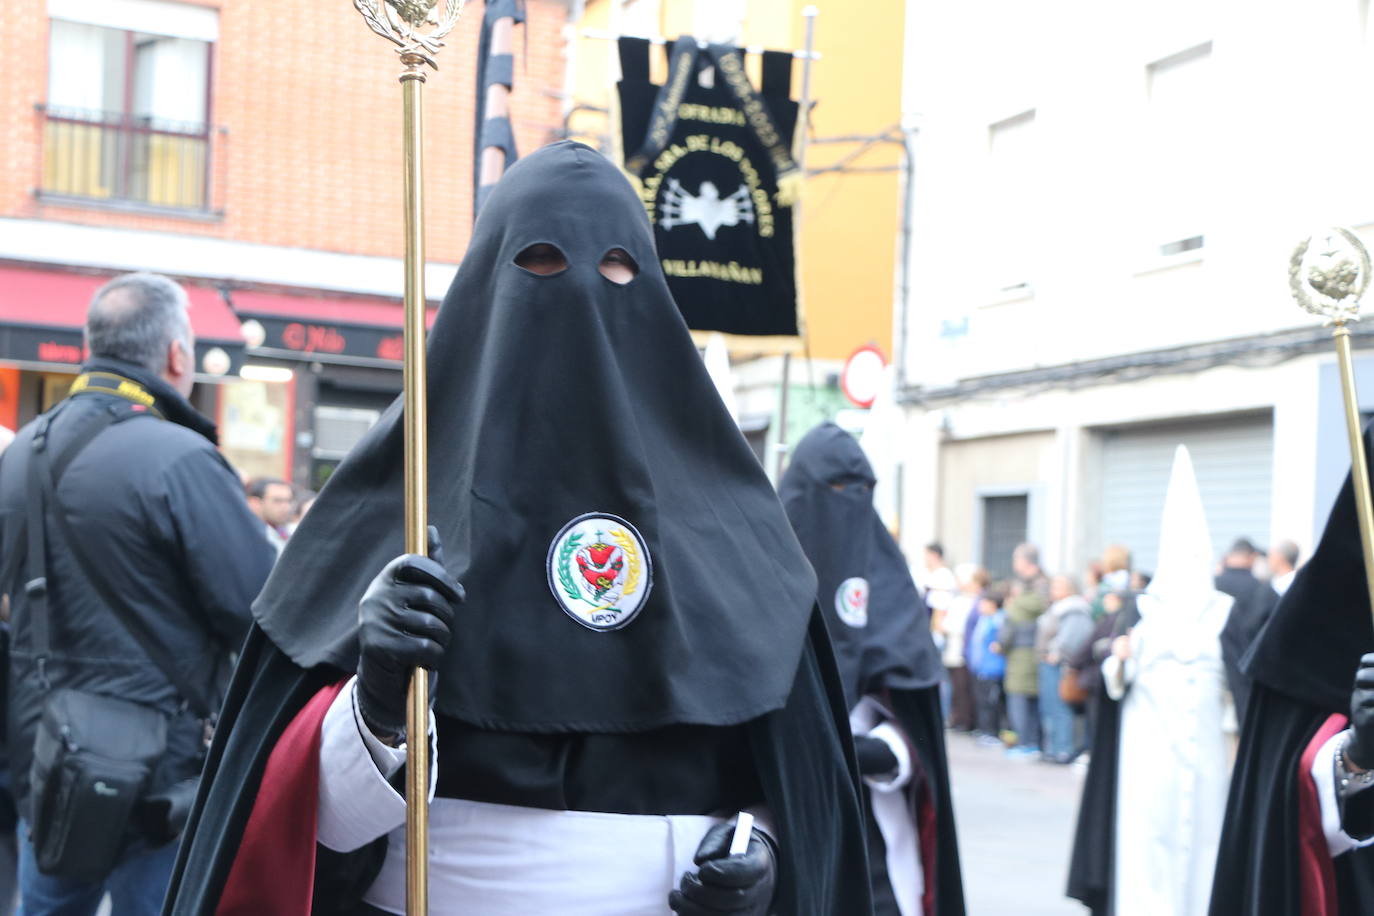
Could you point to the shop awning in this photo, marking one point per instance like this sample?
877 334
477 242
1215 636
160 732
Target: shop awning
323 327
43 312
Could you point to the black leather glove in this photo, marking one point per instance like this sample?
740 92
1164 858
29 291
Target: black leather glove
740 885
1360 750
875 756
405 621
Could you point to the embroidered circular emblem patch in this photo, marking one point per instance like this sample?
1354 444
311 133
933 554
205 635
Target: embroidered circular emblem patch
600 571
851 602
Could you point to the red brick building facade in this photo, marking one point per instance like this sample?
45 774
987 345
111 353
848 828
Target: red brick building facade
254 151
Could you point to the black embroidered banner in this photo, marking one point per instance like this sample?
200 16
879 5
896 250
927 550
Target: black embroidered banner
712 158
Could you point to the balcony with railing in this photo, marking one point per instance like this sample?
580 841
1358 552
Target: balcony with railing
130 161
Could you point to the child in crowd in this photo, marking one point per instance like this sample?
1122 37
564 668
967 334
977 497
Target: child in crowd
988 666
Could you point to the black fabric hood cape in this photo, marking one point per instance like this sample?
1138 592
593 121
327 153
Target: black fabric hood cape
878 622
1303 665
706 484
551 398
882 644
1092 863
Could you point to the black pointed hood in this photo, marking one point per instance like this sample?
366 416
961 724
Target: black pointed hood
627 565
878 622
1310 647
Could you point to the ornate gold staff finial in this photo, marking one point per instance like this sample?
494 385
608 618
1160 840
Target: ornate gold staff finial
1328 274
417 28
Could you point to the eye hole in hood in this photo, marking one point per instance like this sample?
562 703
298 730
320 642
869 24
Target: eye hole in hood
618 267
543 259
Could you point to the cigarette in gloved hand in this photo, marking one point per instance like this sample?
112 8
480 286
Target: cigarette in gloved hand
744 828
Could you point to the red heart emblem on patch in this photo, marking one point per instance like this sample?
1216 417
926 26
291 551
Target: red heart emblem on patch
600 564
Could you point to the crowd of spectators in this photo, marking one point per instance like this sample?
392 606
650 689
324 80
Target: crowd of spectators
1023 654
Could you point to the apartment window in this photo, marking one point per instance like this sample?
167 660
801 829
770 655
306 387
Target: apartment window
1179 131
1012 177
127 115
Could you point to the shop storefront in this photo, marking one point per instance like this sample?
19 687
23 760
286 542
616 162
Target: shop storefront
293 378
42 313
328 364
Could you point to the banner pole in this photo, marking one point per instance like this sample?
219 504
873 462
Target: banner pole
803 122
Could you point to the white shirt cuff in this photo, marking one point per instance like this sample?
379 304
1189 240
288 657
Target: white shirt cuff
1324 775
357 803
890 736
1117 675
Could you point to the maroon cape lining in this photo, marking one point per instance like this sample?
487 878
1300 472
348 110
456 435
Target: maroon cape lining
274 871
1315 869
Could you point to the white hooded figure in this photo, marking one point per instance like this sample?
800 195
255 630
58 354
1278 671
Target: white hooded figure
1174 767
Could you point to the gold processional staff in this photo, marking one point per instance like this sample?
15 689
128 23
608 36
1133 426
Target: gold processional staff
417 28
1328 274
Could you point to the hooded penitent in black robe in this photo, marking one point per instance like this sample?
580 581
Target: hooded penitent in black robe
1093 862
702 678
1254 602
1273 859
881 631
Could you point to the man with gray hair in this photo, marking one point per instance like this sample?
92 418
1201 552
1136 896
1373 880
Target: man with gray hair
1283 566
130 562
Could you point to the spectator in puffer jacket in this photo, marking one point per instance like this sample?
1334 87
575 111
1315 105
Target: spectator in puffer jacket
988 667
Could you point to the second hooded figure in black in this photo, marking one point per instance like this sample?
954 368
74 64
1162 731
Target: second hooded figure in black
891 673
637 658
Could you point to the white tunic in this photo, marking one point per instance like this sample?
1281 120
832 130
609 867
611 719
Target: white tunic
1174 768
497 860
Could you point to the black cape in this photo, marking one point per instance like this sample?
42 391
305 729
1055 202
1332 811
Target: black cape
551 397
1092 865
800 752
1302 665
879 625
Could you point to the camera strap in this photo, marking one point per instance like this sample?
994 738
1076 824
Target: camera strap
43 473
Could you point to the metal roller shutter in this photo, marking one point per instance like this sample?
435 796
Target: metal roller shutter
1233 457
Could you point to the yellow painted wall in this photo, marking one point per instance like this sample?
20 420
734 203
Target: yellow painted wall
850 222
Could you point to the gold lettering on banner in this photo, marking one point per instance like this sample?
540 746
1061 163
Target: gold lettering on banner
661 128
711 114
732 66
733 272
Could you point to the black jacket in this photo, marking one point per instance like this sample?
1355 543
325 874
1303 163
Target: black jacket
165 514
1254 602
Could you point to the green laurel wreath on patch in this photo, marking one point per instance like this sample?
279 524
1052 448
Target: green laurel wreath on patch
565 577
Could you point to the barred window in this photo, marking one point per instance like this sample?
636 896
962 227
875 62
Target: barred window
128 110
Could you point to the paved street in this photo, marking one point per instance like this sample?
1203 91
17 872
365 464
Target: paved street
1016 820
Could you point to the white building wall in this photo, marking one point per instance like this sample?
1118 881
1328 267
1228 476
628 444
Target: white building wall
1284 154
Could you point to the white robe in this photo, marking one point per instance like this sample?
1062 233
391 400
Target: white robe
1174 769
